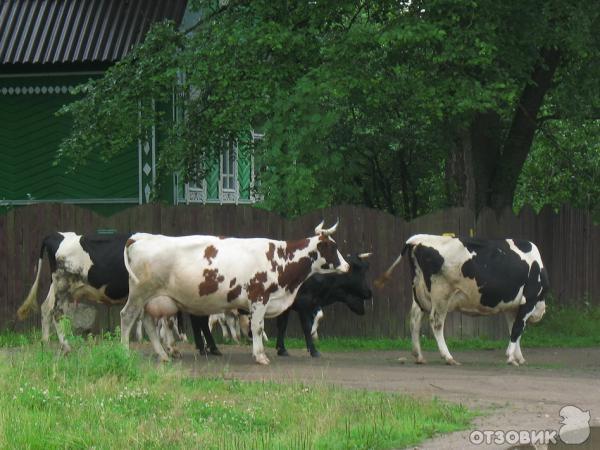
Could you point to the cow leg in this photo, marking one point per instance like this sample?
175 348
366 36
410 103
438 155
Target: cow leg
64 344
212 319
257 322
61 294
168 325
518 356
231 322
132 310
282 322
306 322
314 332
436 320
177 326
197 330
46 310
210 342
515 357
139 333
150 328
244 321
416 315
224 328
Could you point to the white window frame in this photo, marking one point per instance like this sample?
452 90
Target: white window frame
197 192
229 195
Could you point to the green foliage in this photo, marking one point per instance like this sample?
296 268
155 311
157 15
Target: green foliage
563 168
360 102
45 403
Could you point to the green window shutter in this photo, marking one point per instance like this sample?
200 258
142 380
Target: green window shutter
212 180
244 162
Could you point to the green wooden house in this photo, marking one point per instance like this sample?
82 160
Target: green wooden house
49 46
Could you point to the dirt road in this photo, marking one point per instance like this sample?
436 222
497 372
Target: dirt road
524 398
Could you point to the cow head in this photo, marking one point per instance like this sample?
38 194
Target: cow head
355 284
328 258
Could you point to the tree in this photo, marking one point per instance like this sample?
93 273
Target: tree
399 105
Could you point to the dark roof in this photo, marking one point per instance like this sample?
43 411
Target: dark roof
78 31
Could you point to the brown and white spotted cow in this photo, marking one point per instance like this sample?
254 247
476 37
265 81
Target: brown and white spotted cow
476 277
206 275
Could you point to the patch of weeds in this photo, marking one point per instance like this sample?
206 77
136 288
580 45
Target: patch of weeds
132 403
10 338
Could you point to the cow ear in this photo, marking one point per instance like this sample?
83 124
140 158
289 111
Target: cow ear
365 255
319 228
331 230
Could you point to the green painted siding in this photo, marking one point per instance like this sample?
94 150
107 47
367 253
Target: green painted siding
30 133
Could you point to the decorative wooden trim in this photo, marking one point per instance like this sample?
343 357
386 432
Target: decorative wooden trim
35 90
51 74
73 201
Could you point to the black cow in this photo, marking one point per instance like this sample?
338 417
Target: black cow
476 277
88 268
320 290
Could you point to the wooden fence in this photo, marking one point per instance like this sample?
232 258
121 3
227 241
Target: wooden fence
568 241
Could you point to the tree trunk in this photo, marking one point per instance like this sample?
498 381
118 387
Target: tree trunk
483 170
520 136
460 180
471 165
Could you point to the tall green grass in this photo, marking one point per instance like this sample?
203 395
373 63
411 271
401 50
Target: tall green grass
102 396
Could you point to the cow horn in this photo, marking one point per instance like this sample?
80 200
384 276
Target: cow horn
331 230
319 228
364 255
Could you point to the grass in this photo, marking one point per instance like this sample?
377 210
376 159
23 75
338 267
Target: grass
102 396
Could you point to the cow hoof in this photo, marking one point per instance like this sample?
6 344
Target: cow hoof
282 352
173 352
421 360
65 349
215 351
452 362
262 359
315 354
202 352
513 362
163 359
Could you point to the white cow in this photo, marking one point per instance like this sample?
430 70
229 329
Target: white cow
206 275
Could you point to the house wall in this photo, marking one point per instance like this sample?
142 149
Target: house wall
30 133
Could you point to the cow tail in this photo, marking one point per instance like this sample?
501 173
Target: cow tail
30 304
126 260
380 282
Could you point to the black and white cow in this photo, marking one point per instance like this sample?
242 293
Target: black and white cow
476 277
321 290
85 268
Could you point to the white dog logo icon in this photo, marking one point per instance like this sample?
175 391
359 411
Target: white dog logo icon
576 425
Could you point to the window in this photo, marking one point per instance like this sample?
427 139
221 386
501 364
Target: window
229 178
228 168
